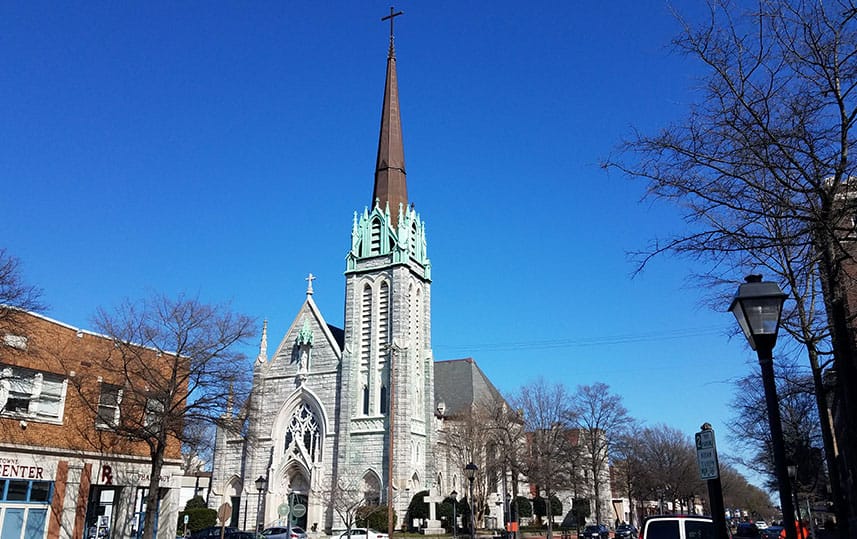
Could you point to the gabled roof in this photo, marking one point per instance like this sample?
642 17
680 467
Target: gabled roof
460 384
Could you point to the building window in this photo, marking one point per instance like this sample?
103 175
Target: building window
365 400
154 413
303 437
15 341
383 399
24 508
108 406
31 394
18 490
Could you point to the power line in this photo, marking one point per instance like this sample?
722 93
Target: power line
582 342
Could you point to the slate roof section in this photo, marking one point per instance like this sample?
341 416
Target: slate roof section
460 383
338 334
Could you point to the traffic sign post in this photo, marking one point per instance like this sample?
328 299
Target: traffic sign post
706 455
709 470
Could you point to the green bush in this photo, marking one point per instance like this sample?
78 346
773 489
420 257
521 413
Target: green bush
197 502
418 508
197 519
556 506
580 510
374 517
539 507
525 508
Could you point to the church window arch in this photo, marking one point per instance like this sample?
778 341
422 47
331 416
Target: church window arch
365 399
413 237
371 485
384 313
375 237
303 435
366 324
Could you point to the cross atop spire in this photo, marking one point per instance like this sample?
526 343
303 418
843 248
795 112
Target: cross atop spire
391 189
393 14
310 278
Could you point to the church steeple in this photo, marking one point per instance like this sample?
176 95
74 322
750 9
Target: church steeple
390 184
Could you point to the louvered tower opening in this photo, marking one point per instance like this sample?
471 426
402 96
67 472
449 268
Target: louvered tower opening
365 346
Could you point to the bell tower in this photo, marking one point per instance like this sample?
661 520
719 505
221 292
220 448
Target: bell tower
386 413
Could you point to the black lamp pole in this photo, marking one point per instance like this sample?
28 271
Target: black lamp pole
470 473
260 486
757 307
454 496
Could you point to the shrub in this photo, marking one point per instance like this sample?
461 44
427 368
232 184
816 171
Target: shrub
197 502
525 508
580 510
197 519
375 517
418 508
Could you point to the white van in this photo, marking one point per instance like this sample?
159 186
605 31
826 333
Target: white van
678 527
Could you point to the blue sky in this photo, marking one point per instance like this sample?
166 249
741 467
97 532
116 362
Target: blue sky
221 148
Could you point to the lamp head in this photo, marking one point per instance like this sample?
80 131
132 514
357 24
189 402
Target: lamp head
260 483
470 471
757 307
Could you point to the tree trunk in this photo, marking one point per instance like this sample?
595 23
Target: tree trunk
835 284
152 495
828 442
548 513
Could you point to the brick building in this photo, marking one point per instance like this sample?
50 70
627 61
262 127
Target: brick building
63 472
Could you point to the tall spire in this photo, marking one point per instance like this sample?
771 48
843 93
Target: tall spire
263 344
390 185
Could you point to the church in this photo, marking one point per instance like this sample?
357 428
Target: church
352 409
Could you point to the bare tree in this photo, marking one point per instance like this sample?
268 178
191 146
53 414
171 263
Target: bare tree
801 427
601 419
507 430
175 360
469 441
671 471
15 294
761 167
349 499
631 470
546 416
737 492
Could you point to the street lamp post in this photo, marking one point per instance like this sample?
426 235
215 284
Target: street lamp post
757 307
454 496
261 483
470 473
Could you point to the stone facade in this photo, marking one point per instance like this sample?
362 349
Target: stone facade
325 406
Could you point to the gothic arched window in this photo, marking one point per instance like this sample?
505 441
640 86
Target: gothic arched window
365 400
303 435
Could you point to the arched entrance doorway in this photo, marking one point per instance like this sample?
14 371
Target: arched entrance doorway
290 495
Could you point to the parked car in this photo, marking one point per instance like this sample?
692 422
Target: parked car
282 532
363 533
594 531
213 532
625 531
747 529
678 527
773 532
761 524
